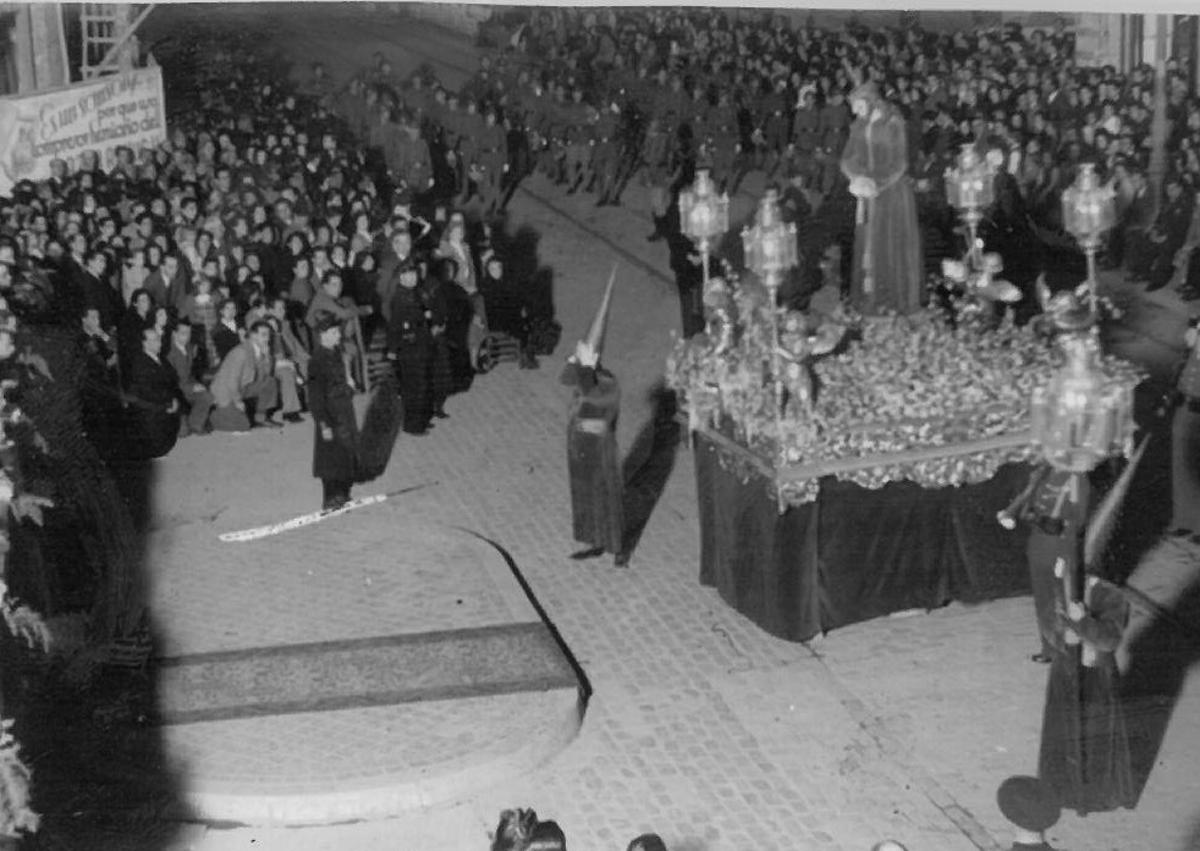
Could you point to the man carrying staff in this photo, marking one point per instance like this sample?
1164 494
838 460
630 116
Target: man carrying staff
596 488
331 402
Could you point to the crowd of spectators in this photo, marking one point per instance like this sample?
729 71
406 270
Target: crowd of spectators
196 271
593 98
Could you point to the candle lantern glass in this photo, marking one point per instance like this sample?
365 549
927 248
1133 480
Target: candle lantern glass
1078 419
703 214
1088 208
770 245
969 184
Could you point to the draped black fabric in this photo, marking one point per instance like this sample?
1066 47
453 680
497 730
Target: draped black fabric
855 553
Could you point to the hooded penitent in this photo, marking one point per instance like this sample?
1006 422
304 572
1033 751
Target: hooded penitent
596 333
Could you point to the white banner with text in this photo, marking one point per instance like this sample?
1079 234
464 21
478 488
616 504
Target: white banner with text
101 115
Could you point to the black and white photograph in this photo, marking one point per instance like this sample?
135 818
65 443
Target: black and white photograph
463 427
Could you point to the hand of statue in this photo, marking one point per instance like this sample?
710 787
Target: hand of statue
863 187
1076 611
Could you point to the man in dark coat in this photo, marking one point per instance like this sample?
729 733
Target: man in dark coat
331 403
182 359
1152 255
408 342
96 290
596 486
154 403
433 295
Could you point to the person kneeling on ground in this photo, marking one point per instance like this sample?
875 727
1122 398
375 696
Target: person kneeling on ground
245 389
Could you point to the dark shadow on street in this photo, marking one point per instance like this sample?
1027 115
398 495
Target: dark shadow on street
84 714
1159 661
1193 838
649 463
1146 508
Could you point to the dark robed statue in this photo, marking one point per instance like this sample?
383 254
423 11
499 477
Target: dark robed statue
592 459
888 270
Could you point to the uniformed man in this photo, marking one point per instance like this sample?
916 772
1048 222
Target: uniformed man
330 394
655 174
493 159
775 126
470 149
408 341
806 128
606 155
835 123
578 149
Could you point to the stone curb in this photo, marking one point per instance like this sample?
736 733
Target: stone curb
388 797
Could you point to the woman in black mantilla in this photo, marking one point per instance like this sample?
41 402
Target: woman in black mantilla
592 460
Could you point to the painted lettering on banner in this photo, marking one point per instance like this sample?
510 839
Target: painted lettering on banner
123 110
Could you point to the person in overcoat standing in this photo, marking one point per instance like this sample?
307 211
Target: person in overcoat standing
331 403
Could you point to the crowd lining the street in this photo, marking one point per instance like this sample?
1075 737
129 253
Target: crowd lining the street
592 99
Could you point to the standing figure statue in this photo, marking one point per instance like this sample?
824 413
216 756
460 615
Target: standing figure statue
592 459
888 268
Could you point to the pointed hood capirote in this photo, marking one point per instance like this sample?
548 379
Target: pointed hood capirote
595 335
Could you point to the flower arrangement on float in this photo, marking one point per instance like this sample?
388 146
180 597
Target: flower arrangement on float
939 398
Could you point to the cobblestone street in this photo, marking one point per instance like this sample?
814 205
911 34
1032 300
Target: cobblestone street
700 726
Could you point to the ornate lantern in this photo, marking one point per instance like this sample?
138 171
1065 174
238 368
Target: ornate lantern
703 214
770 245
770 248
969 186
1089 211
1080 419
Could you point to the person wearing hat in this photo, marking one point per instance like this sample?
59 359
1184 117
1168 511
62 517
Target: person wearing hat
331 403
408 345
888 270
1031 806
597 510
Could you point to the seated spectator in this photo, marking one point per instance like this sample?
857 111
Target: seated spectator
154 399
226 334
244 389
129 331
506 307
1152 256
291 359
182 358
100 396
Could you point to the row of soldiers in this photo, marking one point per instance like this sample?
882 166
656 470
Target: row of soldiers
511 118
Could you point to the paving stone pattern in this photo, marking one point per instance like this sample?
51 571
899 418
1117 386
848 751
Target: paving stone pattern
701 726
